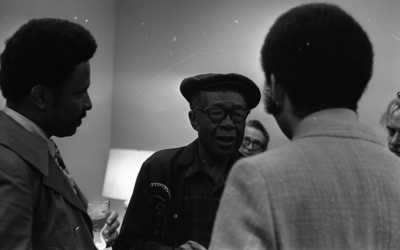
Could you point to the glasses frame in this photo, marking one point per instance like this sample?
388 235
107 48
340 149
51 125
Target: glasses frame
227 112
254 143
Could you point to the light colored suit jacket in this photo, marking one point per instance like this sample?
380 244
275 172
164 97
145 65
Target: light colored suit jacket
38 207
333 187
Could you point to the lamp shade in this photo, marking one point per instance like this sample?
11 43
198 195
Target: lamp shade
122 170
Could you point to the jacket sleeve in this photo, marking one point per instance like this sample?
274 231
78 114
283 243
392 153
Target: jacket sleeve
137 230
16 203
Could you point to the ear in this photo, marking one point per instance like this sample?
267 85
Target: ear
193 120
41 96
277 91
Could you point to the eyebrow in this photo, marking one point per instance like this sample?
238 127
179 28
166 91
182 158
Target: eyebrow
255 140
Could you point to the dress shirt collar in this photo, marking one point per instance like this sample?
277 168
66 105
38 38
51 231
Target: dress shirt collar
187 158
31 127
198 167
195 167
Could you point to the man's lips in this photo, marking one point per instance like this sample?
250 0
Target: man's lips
227 140
79 121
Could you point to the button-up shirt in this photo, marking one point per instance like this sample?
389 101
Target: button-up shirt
201 200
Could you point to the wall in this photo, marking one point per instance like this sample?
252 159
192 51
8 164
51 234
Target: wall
85 153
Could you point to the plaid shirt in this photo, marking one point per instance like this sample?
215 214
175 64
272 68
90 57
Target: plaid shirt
201 201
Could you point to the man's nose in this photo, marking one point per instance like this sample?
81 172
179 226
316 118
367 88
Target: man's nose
250 146
88 103
227 122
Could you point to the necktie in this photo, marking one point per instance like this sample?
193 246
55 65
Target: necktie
61 164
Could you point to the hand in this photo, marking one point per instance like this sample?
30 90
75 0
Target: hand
191 245
110 233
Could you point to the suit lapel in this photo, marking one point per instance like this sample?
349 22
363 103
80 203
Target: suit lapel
57 181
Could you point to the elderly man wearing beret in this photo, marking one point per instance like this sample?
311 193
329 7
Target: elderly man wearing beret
177 192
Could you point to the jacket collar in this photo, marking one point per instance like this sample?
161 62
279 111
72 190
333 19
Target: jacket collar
334 123
28 146
189 152
34 150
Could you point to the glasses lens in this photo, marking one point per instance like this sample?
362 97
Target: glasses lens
246 142
256 145
238 115
219 114
216 114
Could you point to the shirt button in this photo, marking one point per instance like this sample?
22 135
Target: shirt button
77 229
175 216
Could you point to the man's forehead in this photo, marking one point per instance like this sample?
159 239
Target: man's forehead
254 132
395 117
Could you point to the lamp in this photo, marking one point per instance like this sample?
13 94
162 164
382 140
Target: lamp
122 170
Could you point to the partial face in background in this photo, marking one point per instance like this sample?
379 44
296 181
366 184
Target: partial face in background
70 105
254 142
393 128
219 138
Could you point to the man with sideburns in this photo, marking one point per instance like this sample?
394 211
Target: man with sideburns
44 77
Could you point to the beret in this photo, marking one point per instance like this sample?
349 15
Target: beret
209 81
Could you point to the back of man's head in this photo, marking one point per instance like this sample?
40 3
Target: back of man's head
320 56
43 52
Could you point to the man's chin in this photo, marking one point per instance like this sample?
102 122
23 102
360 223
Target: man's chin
244 152
224 153
247 154
71 132
395 152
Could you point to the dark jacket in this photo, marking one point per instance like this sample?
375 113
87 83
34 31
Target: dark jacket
38 207
154 217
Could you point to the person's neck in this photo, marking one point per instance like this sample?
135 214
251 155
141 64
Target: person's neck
210 162
286 119
26 110
21 108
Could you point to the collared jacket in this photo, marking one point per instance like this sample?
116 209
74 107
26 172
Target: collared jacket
154 217
38 207
334 186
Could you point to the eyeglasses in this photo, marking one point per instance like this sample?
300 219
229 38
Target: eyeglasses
219 114
257 145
